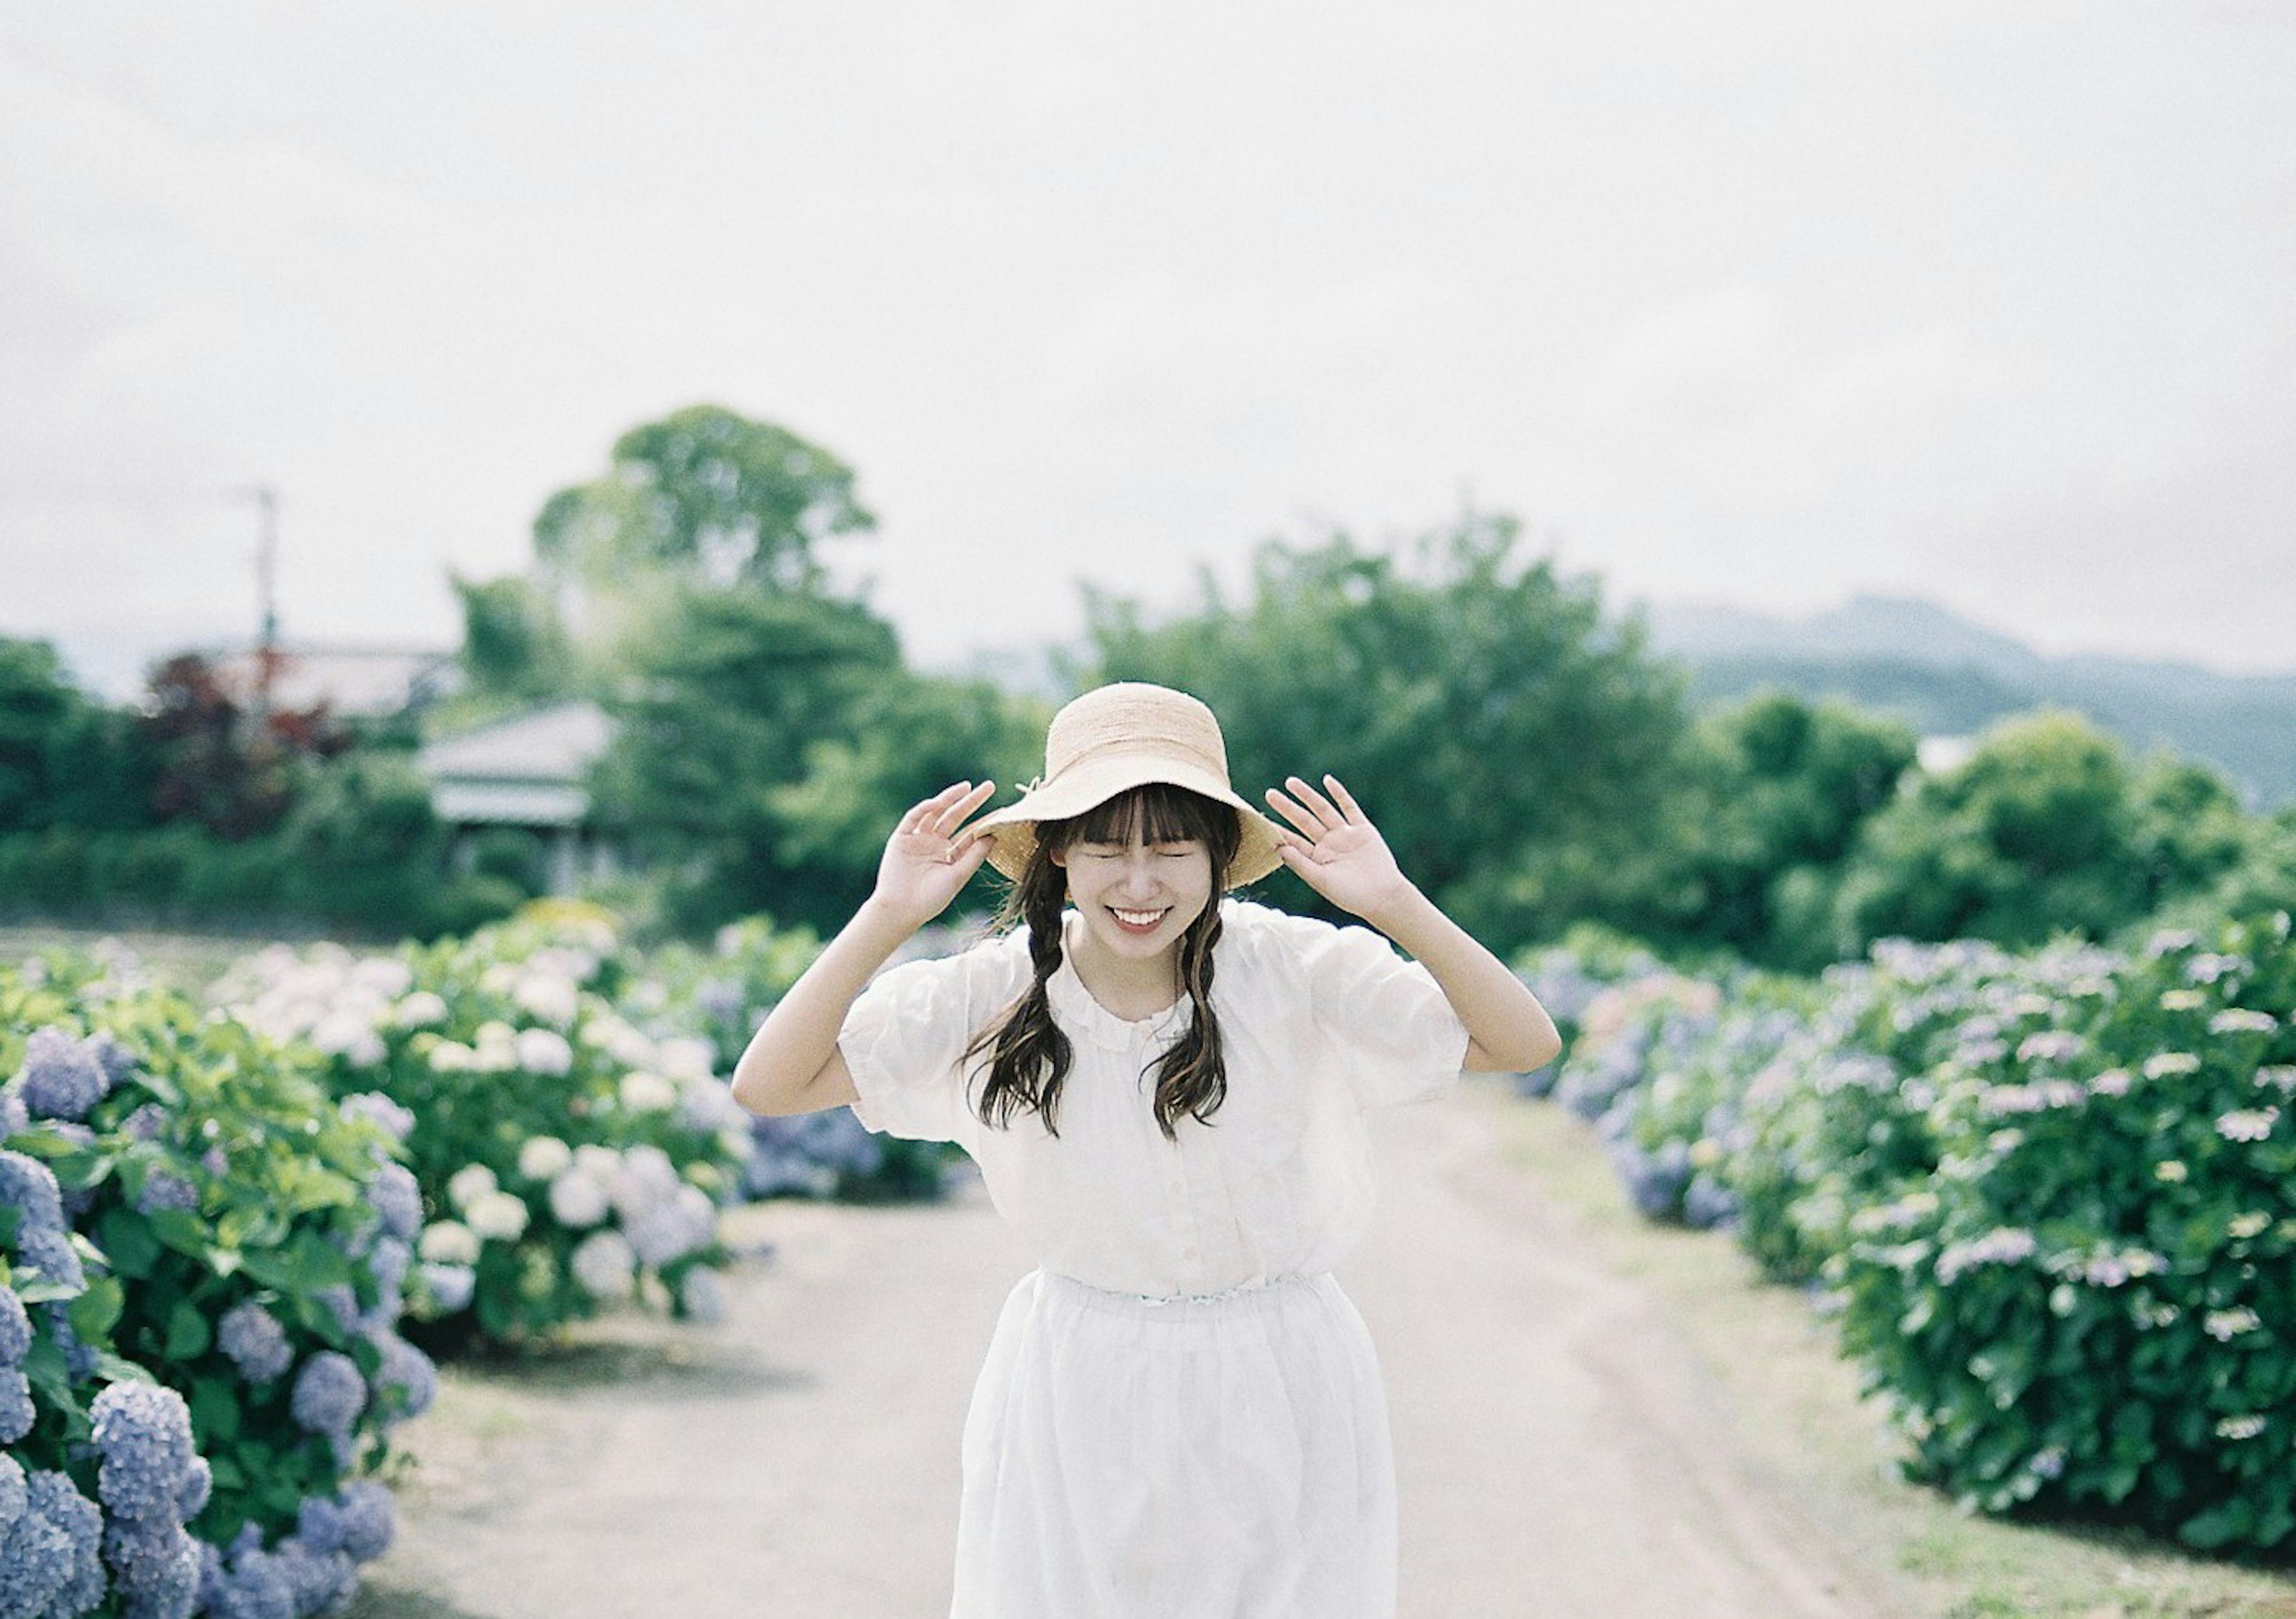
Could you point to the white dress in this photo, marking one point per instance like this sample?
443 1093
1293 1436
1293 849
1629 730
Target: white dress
1181 1413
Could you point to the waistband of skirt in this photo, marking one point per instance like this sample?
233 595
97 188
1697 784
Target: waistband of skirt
1268 1291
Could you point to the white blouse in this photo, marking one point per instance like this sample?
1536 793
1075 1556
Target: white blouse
1317 1023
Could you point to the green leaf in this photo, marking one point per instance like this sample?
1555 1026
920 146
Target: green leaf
127 1242
187 1331
95 1312
183 1230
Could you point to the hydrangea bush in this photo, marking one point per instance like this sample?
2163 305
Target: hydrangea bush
722 994
2090 1302
200 1270
2052 1198
567 1161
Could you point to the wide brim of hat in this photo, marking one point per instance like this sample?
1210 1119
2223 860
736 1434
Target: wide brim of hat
1013 828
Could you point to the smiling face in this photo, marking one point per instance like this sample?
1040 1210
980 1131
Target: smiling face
1140 868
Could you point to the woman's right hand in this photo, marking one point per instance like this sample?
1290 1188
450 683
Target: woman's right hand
928 860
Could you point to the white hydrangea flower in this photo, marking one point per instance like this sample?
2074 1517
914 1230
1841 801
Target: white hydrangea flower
2243 1020
498 977
543 1157
544 1051
704 1294
448 1242
605 1264
2226 1325
2161 1065
349 1031
2248 1124
548 996
2240 1428
646 1177
497 1044
2252 1224
498 1216
423 1009
468 1184
686 1057
2182 1000
387 975
601 1163
578 1200
642 1090
453 1056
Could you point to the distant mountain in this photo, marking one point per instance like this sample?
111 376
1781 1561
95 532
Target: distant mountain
1945 676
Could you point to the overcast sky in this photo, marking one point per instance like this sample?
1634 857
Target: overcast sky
1762 303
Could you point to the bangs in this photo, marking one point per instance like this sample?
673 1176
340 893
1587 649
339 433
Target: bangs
1156 812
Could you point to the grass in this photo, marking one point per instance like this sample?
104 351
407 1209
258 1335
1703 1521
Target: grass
1797 1413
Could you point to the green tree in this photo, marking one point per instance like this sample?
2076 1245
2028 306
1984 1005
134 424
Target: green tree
514 644
65 758
1783 787
2046 827
1518 750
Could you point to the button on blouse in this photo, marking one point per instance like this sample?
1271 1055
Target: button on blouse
1318 1024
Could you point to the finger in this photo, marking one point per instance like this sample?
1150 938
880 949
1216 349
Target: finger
1317 802
919 812
956 814
1347 800
1293 813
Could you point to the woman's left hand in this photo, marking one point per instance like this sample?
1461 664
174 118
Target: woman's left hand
1336 849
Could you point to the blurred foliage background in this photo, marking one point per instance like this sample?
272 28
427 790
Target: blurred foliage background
1534 762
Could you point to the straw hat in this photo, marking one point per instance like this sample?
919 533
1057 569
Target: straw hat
1118 736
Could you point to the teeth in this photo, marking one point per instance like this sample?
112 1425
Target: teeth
1137 918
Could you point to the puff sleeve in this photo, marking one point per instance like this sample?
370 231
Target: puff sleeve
1388 1025
904 1036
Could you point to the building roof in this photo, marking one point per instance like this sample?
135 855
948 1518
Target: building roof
526 770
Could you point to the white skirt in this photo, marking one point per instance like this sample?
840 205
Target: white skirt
1226 1457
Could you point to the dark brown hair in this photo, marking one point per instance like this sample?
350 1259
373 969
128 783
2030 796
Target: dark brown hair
1029 1056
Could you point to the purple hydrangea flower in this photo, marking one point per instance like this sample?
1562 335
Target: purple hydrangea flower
356 1522
256 1587
143 1432
28 1184
61 1078
329 1394
397 1120
396 1196
14 1114
215 1161
51 1560
15 1327
155 1566
163 1190
146 1122
16 1413
388 1263
319 1579
342 1301
256 1343
407 1369
117 1061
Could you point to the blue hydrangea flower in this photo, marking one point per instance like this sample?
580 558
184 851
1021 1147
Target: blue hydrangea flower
143 1432
342 1301
51 1561
396 1120
199 1484
398 1197
12 1493
155 1566
146 1122
406 1368
79 1359
16 1413
319 1579
15 1327
163 1190
358 1521
14 1114
117 1061
62 1076
28 1184
215 1161
256 1587
256 1343
451 1285
329 1394
389 1263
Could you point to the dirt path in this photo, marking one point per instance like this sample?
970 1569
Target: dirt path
1558 1450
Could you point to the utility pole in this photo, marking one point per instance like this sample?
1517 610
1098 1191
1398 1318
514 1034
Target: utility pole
266 566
